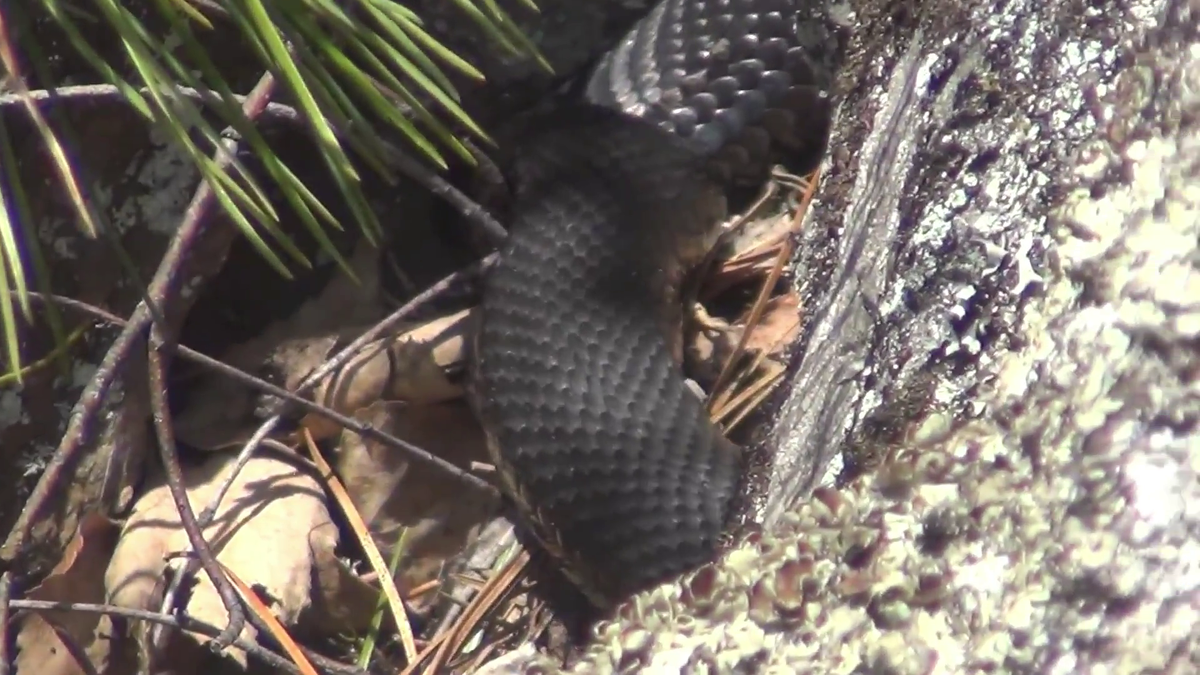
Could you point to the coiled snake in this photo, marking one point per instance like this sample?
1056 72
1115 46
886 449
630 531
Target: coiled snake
597 439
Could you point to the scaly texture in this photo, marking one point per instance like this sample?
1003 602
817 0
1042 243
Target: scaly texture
711 71
597 438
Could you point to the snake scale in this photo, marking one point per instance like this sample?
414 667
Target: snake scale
605 450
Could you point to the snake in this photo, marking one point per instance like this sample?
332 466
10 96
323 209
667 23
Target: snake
618 193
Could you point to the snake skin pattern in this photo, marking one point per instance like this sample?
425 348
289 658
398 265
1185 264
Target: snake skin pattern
713 70
607 453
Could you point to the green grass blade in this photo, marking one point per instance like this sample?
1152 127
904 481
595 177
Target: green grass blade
301 199
343 173
177 112
400 39
389 111
290 74
62 164
19 204
408 68
425 40
8 318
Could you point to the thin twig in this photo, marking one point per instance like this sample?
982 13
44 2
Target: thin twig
388 324
761 301
357 426
110 93
184 622
273 626
496 588
79 431
160 345
341 358
181 261
159 358
386 583
210 510
475 214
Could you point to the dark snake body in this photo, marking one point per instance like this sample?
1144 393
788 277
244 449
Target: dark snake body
596 436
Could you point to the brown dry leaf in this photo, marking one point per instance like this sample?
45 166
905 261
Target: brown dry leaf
288 646
273 527
747 258
779 326
342 602
760 365
221 413
50 642
408 367
394 494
